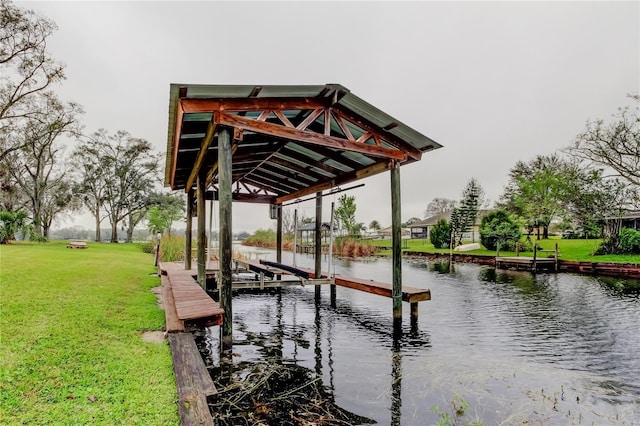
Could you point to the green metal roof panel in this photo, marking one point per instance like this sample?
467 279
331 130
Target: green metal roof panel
289 91
211 91
382 120
417 139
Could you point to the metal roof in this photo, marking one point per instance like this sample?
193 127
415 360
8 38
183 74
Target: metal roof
288 141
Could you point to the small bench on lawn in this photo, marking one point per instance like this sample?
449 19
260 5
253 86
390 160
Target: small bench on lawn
79 244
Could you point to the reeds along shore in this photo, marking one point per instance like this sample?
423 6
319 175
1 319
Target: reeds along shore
344 248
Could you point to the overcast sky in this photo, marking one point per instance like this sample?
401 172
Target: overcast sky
493 82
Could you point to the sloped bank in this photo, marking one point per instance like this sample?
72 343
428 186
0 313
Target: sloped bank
625 270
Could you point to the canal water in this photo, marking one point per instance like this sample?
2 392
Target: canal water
518 348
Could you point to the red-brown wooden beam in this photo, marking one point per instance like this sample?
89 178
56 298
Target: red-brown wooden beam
350 177
204 146
193 105
412 152
308 137
244 197
176 142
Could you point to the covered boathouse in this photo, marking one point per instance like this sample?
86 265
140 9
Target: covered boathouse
274 144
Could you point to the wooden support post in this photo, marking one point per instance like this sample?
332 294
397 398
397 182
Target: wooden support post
201 239
279 237
318 241
414 312
225 238
188 232
396 246
332 296
555 263
535 255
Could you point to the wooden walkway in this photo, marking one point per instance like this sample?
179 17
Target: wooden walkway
187 305
193 381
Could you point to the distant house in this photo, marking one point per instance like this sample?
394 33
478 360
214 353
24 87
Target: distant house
629 219
386 233
423 228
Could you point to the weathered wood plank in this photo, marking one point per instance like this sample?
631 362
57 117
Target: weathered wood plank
409 294
172 322
193 381
301 272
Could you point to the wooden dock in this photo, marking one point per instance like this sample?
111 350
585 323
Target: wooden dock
187 305
193 381
523 263
306 276
411 295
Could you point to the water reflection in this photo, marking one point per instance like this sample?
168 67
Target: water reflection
549 348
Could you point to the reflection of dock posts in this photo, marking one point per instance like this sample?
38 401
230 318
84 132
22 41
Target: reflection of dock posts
224 205
318 346
279 237
396 248
396 384
330 259
318 241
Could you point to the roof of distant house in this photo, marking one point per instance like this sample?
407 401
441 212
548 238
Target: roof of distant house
430 221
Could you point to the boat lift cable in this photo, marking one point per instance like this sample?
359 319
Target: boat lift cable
334 191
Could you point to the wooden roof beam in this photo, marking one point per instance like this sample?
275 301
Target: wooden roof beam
194 105
176 145
412 152
204 146
373 169
307 137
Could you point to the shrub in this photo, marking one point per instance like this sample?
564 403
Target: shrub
147 246
440 235
498 228
630 241
261 238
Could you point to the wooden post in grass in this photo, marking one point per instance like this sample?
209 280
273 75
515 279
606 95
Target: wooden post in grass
188 231
396 248
318 242
201 232
224 205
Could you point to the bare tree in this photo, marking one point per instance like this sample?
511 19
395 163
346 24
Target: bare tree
26 71
37 168
439 205
615 144
131 173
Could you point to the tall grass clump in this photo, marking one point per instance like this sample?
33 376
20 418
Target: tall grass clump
348 247
171 248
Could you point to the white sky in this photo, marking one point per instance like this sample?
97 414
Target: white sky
494 82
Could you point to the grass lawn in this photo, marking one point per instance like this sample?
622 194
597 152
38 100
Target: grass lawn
580 250
70 337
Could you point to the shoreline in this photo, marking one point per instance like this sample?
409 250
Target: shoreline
621 270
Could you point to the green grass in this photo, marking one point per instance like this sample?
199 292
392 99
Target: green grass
70 337
580 250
